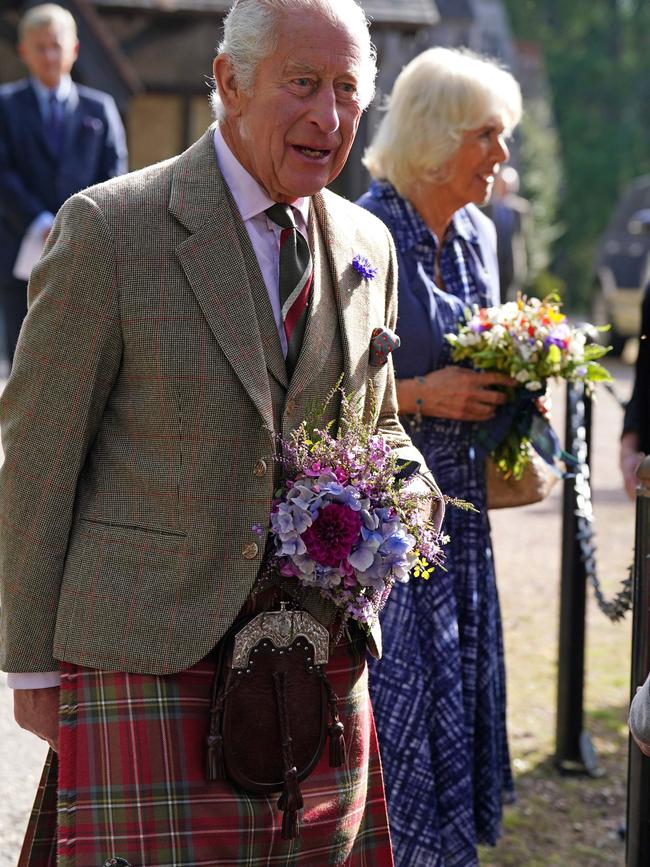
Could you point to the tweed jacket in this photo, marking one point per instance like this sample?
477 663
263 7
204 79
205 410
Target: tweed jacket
138 422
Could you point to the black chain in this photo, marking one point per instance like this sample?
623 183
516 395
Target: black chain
616 607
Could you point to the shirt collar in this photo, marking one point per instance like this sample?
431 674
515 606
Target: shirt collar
462 226
43 93
250 197
411 229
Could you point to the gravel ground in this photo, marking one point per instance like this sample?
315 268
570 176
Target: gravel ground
527 554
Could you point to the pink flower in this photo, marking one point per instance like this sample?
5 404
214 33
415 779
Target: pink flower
314 470
330 538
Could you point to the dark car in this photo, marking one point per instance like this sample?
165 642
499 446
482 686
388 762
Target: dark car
622 265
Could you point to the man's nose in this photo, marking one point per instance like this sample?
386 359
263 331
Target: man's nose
324 111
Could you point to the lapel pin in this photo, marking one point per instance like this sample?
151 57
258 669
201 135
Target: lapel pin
364 267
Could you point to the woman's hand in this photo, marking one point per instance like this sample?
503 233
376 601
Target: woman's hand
454 392
629 459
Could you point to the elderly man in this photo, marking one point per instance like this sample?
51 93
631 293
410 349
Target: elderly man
56 137
154 369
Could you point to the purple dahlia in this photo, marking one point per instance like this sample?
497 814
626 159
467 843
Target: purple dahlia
330 538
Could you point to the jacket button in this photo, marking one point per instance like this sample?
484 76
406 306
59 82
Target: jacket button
259 470
290 407
249 552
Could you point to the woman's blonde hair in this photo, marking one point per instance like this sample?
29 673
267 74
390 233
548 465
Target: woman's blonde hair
437 97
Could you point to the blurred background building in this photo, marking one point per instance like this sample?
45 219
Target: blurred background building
155 58
576 149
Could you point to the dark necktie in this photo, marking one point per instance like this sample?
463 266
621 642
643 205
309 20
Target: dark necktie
296 273
54 124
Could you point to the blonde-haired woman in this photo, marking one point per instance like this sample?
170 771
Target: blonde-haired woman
439 691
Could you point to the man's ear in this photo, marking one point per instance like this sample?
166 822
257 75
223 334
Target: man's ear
226 82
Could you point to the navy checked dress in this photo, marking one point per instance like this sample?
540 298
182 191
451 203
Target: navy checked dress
439 691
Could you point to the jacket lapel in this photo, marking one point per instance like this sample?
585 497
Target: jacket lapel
266 320
350 291
217 268
72 123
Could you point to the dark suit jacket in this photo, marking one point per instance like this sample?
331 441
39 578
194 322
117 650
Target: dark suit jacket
32 178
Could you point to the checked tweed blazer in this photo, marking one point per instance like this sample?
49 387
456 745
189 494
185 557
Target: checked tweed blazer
139 417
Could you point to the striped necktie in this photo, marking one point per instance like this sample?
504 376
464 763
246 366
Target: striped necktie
296 273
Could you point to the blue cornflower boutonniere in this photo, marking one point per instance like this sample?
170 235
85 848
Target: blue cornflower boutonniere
364 267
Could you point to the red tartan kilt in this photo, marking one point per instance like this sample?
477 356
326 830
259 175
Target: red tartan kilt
132 780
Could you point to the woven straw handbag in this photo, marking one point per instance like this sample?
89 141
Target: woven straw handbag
535 484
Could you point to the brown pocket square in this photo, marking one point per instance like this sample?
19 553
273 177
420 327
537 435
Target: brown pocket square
382 342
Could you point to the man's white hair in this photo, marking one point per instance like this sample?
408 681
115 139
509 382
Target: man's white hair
47 15
437 97
251 31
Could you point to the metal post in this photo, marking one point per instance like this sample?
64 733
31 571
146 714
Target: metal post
638 779
574 751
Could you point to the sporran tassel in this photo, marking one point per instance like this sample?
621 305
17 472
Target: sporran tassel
290 802
337 743
215 766
336 729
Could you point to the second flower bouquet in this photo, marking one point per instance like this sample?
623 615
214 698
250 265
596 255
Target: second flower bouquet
532 341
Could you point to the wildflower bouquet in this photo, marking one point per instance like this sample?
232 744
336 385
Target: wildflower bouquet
344 521
531 341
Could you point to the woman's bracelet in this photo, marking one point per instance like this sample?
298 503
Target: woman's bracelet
416 420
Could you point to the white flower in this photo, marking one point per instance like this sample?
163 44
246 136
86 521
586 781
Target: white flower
522 376
495 335
577 345
469 339
507 312
525 350
533 386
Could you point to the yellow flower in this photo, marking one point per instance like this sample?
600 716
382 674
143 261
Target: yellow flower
422 569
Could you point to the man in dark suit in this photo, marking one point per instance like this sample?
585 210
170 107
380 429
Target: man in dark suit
56 137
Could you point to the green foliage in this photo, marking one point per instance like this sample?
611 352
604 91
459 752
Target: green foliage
541 178
597 62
